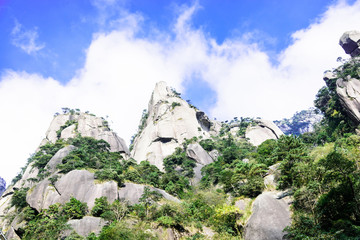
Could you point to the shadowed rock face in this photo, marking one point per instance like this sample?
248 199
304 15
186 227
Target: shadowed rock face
263 131
270 216
350 42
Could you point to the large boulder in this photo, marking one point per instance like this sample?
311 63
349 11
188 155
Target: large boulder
196 152
348 91
77 183
270 216
86 225
350 42
262 131
170 121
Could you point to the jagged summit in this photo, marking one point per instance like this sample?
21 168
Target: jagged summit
168 122
71 123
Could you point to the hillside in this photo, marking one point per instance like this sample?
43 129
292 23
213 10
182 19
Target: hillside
188 177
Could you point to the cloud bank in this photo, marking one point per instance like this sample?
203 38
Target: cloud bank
123 65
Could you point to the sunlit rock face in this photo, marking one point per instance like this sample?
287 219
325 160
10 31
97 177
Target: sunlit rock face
169 122
348 91
270 215
68 125
262 131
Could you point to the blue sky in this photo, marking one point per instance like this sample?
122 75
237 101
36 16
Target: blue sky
65 28
230 58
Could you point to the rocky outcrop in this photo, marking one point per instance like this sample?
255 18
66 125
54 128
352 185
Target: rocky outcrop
270 216
58 157
272 177
68 125
196 152
202 158
77 183
350 42
81 184
132 192
86 225
30 173
170 121
262 131
348 91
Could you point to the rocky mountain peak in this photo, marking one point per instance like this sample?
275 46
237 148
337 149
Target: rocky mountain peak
72 123
168 122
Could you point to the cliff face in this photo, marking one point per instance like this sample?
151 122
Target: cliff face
170 120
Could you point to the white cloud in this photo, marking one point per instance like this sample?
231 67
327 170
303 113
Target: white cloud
122 68
25 39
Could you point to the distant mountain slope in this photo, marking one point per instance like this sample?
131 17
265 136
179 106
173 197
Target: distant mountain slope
2 186
301 122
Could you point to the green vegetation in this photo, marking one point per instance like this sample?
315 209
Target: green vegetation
51 222
175 104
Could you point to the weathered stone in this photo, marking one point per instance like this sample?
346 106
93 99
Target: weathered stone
77 183
31 172
11 234
196 152
272 176
132 192
197 174
270 216
214 154
350 42
170 121
349 95
86 225
88 126
263 131
204 121
58 157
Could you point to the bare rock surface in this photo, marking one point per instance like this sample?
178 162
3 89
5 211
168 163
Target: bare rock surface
88 126
30 172
86 225
270 216
350 42
348 91
77 183
132 192
196 152
262 131
170 121
58 157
